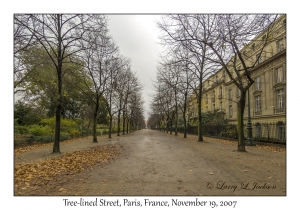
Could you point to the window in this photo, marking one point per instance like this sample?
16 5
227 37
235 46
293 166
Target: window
280 131
258 130
280 46
221 92
257 105
280 102
230 94
230 111
257 83
216 78
279 74
214 107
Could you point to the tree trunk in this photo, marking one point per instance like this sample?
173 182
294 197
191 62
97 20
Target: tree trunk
95 123
119 122
110 125
184 115
241 108
123 128
127 122
176 114
200 135
56 147
168 126
119 117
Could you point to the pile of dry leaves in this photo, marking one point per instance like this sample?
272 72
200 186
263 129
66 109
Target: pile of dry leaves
34 175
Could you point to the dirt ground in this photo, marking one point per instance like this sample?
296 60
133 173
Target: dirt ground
151 162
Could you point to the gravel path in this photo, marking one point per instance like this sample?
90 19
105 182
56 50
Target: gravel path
156 163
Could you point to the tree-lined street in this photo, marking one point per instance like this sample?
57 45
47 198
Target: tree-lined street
150 162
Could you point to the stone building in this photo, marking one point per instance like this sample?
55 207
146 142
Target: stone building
267 94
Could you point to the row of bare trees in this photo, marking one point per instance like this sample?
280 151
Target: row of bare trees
198 45
78 47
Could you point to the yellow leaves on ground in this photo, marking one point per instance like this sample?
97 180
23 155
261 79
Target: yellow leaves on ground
39 173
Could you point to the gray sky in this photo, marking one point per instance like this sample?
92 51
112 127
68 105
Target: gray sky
137 38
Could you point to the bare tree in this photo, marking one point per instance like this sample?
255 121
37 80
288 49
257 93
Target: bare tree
132 85
99 63
177 30
111 93
136 110
187 82
23 41
225 36
163 103
59 35
170 74
227 41
123 80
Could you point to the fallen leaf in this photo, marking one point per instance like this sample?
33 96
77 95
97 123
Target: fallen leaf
45 172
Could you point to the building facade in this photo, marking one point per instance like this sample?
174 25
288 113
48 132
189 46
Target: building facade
267 94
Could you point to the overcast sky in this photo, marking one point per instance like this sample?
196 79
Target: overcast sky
137 39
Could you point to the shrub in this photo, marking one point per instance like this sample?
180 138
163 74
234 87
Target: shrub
21 129
66 125
74 132
37 130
